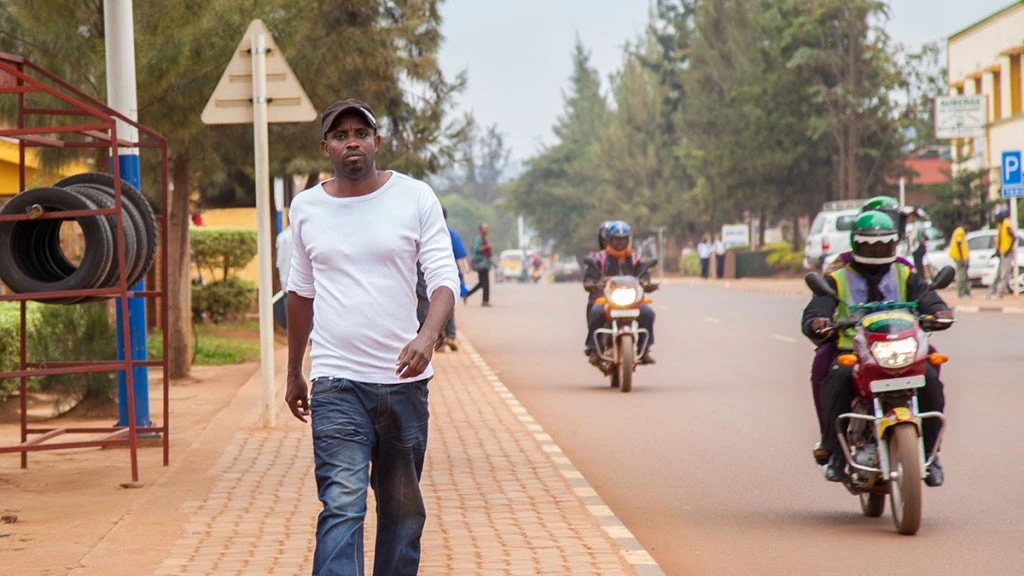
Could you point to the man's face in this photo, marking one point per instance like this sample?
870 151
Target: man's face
351 146
483 228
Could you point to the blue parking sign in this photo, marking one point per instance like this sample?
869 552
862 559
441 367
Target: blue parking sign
1013 183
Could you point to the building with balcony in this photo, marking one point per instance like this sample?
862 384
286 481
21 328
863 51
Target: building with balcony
987 58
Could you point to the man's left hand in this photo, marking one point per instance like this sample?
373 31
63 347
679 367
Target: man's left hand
415 357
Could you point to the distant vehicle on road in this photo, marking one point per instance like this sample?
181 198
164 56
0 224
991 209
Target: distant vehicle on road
567 269
510 266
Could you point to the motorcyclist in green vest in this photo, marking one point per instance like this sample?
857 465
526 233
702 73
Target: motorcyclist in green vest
874 275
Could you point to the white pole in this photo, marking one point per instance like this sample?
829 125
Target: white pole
260 138
903 193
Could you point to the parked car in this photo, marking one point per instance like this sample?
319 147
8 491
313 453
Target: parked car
829 235
982 264
567 269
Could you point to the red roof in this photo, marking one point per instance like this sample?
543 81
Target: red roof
927 171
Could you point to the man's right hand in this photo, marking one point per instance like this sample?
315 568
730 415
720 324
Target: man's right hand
821 325
297 396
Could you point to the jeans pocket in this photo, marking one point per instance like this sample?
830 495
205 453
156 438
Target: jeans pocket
322 386
421 389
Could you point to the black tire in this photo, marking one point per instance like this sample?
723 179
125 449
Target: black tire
905 490
627 358
872 505
135 242
112 276
30 249
129 194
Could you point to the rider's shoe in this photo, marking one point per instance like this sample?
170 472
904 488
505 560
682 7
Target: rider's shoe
821 455
592 356
935 477
836 469
648 359
450 341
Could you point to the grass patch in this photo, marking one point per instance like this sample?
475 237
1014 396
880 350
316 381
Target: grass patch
217 344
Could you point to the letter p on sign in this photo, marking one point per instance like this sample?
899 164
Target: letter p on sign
1013 184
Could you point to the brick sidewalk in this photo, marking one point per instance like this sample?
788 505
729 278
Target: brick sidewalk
501 498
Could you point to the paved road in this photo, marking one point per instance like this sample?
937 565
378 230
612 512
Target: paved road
708 462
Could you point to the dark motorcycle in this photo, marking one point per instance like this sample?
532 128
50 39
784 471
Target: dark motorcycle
883 444
622 341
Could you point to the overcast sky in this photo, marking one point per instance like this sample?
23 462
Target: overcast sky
518 53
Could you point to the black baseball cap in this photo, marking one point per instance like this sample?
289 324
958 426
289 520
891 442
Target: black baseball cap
332 112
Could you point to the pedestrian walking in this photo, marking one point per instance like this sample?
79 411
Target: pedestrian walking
283 247
704 253
1006 250
719 249
356 239
481 262
459 252
959 252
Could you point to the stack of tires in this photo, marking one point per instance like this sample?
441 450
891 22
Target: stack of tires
30 251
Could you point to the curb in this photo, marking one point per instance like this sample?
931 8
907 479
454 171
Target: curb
783 291
630 549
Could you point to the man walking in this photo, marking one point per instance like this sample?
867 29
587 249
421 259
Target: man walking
960 253
1006 250
719 247
356 239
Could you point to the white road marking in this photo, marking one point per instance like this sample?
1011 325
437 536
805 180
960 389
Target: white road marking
712 320
784 338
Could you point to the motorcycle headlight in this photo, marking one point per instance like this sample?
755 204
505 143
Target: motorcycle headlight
623 296
895 354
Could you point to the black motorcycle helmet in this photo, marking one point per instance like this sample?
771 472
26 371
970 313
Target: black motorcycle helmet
602 234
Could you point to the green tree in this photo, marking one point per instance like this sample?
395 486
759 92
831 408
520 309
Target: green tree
560 192
855 76
962 199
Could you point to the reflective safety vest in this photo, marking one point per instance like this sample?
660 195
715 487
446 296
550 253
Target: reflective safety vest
853 289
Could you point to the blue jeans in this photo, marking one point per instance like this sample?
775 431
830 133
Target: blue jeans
356 425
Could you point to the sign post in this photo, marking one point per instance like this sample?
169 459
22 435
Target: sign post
1013 188
259 87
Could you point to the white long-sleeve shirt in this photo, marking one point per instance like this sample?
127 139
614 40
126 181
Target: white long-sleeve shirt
356 258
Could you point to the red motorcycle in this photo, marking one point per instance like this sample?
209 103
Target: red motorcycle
622 341
883 443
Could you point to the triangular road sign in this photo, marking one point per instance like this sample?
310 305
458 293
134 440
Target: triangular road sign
231 101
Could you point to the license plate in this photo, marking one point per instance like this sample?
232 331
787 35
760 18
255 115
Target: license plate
625 313
902 383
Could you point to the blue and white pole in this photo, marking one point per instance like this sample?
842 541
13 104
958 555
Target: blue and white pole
121 96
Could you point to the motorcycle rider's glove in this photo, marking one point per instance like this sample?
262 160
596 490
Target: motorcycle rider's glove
945 314
821 326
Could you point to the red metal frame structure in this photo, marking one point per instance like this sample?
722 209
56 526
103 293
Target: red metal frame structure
98 129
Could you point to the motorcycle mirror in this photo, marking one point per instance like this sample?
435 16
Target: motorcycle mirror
590 261
943 278
648 264
819 285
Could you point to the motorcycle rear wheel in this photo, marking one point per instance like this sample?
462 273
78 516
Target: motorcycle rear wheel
872 505
626 361
905 489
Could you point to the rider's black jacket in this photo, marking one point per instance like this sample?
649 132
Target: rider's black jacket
593 277
928 302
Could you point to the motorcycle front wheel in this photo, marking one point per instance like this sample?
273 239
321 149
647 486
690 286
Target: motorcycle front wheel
626 358
905 488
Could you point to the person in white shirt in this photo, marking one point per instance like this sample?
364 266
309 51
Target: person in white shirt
704 252
283 246
356 239
719 249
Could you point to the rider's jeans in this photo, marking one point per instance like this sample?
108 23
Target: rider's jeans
357 424
837 394
596 319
